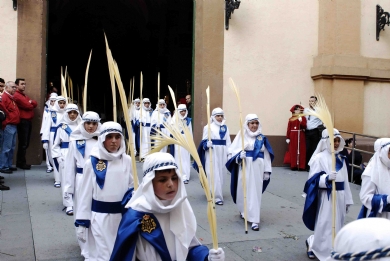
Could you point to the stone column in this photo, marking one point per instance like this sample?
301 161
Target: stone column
31 64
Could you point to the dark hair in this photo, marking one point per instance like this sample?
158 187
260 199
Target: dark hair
313 97
297 107
2 80
18 80
348 141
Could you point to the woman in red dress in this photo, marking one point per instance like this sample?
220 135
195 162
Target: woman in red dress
296 139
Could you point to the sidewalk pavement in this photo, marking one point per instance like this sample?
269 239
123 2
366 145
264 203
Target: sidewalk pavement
34 227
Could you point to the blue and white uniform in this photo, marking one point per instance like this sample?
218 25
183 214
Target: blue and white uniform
182 156
61 141
159 117
169 226
49 128
107 177
259 156
145 120
80 146
317 213
375 190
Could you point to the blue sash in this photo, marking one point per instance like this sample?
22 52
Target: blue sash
222 131
64 145
53 116
106 207
79 170
80 145
53 129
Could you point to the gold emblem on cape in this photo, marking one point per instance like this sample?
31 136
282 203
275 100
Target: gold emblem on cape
64 126
100 166
148 224
259 137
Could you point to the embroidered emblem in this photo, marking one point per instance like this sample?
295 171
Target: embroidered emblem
80 142
63 126
100 166
148 224
53 114
223 128
259 137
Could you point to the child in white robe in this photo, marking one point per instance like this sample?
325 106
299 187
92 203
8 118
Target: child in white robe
160 115
317 213
69 122
107 177
159 223
48 106
220 143
82 140
258 156
145 122
135 122
375 189
182 156
49 128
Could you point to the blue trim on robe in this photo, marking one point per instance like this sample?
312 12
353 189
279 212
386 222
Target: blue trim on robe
153 132
53 116
202 156
127 236
198 253
79 170
64 145
56 164
81 147
375 205
222 131
146 124
233 167
126 198
67 129
188 121
311 201
53 129
100 174
82 222
136 131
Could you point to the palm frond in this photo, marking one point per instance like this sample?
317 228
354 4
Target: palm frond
85 83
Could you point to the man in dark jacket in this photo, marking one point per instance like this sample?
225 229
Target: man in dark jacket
9 127
26 108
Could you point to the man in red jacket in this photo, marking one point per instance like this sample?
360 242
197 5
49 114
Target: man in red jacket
26 108
9 127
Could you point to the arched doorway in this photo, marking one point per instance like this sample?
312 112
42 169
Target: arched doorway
148 36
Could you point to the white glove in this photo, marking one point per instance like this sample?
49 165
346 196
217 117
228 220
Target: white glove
300 119
45 146
81 233
332 175
243 154
266 176
229 156
209 144
216 255
347 208
60 160
288 141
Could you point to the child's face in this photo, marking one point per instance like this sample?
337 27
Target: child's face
90 126
72 115
147 104
253 125
137 104
161 105
219 118
52 102
336 143
112 142
165 184
182 113
61 104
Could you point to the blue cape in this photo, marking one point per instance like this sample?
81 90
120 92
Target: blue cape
375 205
127 237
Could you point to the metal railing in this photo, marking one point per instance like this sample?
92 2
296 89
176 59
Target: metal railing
354 134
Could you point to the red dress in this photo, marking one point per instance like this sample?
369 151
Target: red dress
297 145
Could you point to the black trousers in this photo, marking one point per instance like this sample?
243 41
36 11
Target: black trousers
24 133
312 138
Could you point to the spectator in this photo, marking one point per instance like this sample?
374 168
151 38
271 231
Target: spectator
52 89
2 85
2 118
313 131
26 108
189 105
9 128
358 159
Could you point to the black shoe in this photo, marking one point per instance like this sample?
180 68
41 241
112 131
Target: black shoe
3 187
7 171
1 177
13 168
24 166
1 181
